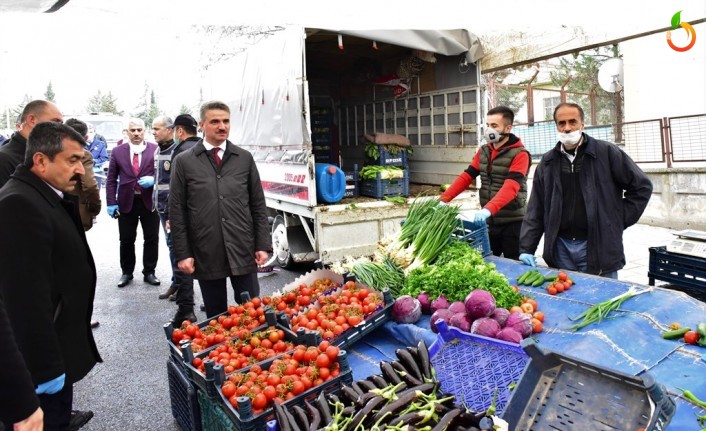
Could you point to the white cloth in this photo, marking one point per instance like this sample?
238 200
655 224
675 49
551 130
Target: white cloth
137 149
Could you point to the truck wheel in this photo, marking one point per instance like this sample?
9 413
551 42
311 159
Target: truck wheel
280 245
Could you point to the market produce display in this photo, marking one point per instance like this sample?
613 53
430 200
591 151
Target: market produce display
697 337
558 283
371 172
404 396
603 310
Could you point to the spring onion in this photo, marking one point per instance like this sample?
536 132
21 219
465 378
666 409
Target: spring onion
603 309
379 275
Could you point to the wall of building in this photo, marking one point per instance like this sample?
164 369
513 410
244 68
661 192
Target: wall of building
678 198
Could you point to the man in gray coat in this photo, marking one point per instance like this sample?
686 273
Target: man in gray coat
217 212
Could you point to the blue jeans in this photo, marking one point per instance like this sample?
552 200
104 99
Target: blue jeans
572 254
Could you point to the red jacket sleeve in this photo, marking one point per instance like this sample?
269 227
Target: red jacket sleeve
511 186
462 182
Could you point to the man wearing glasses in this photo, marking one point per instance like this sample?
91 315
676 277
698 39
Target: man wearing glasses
129 189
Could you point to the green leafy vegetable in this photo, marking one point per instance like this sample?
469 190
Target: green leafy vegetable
386 172
397 200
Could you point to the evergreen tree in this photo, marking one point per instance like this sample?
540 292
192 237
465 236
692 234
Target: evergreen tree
184 110
17 110
49 94
103 103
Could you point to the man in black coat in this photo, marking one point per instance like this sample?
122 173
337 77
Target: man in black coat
12 153
47 276
585 193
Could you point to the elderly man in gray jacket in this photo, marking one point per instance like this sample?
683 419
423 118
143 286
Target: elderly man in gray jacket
218 213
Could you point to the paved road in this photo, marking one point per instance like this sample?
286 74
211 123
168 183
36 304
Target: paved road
129 390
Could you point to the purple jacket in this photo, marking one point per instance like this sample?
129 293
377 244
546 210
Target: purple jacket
120 185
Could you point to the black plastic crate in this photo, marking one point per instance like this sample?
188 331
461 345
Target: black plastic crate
379 188
559 392
182 395
386 158
688 271
353 334
218 414
352 183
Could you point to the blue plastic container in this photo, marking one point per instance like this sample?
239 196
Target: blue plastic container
330 183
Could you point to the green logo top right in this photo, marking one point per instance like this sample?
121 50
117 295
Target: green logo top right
691 33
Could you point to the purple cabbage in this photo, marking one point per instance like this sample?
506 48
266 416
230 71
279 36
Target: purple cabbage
457 307
500 315
486 327
425 300
510 335
406 310
443 314
479 303
439 303
520 322
460 321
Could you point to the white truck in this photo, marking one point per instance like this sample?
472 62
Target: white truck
420 84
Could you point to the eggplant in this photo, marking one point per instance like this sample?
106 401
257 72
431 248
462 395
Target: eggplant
349 411
292 422
363 399
445 420
409 363
324 409
408 419
389 373
365 412
282 420
469 418
394 407
301 418
366 385
315 422
379 381
356 386
333 399
406 375
349 394
426 388
424 360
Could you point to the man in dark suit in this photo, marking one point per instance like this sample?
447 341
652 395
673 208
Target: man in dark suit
49 297
128 192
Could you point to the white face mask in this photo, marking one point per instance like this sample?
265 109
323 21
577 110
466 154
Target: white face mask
571 138
493 136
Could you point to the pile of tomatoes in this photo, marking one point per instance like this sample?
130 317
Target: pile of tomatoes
247 349
530 307
286 377
338 311
562 283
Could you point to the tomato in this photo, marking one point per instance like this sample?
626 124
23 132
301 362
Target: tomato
269 392
691 337
324 373
298 354
274 336
559 287
332 353
567 285
256 302
307 382
516 309
354 320
255 342
311 354
539 316
228 389
304 300
562 276
527 308
533 302
298 387
191 330
536 325
323 361
259 402
551 290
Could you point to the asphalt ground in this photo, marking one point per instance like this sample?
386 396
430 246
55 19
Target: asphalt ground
129 390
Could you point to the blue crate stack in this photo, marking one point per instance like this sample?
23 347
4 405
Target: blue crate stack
381 188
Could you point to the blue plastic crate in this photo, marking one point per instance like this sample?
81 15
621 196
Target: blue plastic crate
386 158
379 188
563 393
182 395
352 184
472 367
475 234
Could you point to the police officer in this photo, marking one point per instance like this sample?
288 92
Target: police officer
173 137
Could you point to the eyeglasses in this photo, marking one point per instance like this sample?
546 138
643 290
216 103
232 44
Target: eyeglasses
135 130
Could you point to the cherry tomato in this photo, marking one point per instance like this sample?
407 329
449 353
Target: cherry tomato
691 337
259 402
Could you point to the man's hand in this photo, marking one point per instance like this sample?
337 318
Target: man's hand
261 257
481 216
112 209
187 265
146 181
528 259
52 386
167 226
35 422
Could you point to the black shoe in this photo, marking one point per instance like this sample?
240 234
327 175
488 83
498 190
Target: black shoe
171 291
94 324
124 280
203 307
79 419
152 279
182 315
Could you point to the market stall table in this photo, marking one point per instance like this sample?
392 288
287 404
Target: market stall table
630 343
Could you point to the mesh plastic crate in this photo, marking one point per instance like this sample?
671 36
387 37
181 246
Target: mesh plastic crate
379 188
559 392
475 234
388 159
473 367
182 395
219 414
688 271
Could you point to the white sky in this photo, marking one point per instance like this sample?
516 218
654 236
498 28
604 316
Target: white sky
119 46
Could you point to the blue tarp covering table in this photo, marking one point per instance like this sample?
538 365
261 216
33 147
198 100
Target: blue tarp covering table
630 343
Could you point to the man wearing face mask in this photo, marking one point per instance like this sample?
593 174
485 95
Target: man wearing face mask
503 164
128 192
585 192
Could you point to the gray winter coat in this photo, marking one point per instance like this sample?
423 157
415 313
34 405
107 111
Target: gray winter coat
615 191
217 214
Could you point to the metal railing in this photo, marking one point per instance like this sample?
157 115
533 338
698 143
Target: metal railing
666 140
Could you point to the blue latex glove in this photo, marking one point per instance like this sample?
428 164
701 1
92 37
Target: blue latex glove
52 386
112 209
481 216
528 259
146 181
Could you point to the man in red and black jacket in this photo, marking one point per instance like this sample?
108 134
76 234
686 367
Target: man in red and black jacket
503 164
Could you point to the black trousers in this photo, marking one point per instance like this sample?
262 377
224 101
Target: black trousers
56 408
505 239
184 283
127 223
215 295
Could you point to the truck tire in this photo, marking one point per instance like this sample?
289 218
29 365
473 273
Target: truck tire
280 244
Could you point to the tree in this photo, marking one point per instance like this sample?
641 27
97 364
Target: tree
17 110
184 110
147 109
103 103
501 95
581 70
228 41
49 94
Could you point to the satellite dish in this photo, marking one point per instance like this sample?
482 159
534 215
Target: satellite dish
610 75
